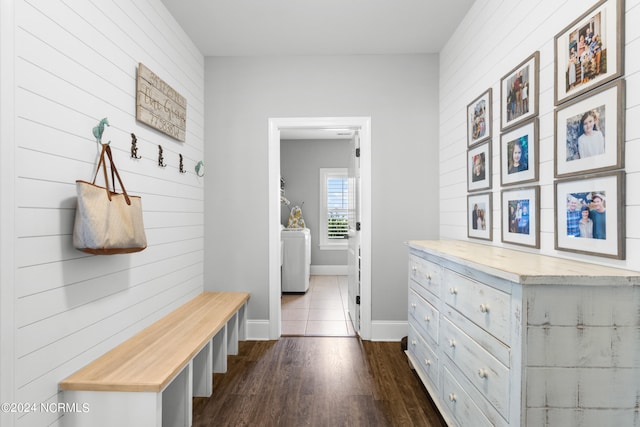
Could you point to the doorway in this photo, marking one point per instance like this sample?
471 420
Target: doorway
363 126
319 312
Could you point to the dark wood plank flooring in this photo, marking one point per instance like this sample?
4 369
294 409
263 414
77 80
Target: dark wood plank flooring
317 381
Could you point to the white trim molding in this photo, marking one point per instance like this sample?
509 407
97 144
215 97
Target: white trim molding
388 331
258 330
363 126
329 270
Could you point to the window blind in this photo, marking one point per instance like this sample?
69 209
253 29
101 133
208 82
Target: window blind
337 207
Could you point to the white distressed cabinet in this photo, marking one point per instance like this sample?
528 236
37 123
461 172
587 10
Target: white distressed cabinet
508 338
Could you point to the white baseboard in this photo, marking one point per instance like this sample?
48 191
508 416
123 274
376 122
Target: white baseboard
388 331
329 270
257 330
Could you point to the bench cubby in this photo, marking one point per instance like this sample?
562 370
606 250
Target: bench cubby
150 379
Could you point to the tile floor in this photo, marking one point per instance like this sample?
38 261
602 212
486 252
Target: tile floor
321 311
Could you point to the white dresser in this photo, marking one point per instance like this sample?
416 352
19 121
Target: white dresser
508 338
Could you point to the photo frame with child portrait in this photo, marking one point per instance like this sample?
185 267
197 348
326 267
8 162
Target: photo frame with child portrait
479 216
590 217
479 167
519 92
519 154
479 119
521 216
589 134
589 51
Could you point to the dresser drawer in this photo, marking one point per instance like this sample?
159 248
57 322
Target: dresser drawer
487 307
423 354
484 371
426 274
423 315
461 406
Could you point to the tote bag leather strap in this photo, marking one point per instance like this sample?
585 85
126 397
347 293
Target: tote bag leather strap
114 173
115 170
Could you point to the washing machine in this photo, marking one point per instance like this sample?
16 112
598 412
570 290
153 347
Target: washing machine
296 259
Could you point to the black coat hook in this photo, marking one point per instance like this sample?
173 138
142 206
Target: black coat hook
134 147
161 158
181 169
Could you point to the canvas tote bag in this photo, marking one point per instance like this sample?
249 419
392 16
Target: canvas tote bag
107 222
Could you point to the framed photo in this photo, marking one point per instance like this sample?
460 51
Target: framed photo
519 154
589 52
479 167
479 118
519 93
589 134
520 216
590 215
479 209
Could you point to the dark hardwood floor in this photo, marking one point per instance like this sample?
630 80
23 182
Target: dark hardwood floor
317 381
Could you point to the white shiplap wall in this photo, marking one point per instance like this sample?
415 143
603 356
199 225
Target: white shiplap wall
495 36
75 63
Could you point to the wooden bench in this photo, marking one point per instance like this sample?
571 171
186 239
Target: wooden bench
150 379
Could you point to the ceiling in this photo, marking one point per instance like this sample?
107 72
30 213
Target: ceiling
314 27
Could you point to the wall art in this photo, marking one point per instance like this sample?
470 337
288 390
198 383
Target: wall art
479 216
479 167
519 92
520 216
589 51
589 134
519 154
590 215
159 105
479 119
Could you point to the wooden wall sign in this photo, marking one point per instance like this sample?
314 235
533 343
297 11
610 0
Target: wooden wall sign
159 105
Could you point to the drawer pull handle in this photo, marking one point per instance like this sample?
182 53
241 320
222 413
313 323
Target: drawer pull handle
453 397
428 276
414 342
414 268
453 291
427 318
427 362
482 373
452 342
484 308
413 305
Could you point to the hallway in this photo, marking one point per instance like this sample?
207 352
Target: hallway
322 311
317 381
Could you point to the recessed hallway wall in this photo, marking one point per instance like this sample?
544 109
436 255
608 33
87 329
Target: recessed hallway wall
398 93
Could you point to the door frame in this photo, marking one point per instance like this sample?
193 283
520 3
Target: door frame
363 125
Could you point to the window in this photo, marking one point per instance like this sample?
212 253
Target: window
334 204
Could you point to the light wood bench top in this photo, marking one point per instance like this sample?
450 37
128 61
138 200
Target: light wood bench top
149 360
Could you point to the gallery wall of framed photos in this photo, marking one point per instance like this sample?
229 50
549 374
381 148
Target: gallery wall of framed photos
589 133
588 136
